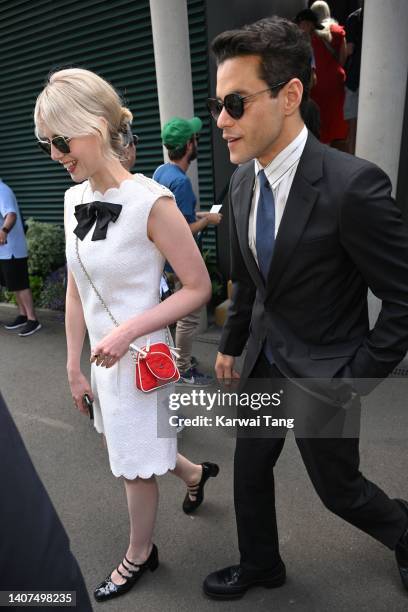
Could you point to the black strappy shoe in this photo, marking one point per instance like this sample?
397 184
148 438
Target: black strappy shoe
108 589
189 505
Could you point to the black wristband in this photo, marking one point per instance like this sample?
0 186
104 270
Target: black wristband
5 230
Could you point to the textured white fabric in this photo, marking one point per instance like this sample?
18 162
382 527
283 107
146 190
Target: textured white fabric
125 268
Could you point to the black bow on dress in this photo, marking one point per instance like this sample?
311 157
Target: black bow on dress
101 212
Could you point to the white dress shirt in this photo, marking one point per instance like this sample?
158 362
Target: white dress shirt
280 174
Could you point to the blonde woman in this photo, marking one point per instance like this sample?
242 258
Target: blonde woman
120 229
330 52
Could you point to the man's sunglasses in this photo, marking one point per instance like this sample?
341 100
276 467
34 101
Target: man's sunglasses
59 142
234 103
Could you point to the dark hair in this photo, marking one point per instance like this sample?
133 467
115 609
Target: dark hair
284 50
179 153
175 154
127 135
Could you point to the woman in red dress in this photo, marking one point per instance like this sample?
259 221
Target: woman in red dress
329 48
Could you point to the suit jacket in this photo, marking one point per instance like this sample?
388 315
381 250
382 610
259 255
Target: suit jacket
34 548
341 233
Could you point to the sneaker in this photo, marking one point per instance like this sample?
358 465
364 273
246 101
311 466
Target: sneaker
203 377
19 321
30 328
194 378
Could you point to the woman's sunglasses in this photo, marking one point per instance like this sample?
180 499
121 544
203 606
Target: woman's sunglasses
133 140
234 103
59 142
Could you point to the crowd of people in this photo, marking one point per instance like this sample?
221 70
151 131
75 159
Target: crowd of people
311 228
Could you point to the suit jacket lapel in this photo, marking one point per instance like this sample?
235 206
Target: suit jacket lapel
300 203
242 194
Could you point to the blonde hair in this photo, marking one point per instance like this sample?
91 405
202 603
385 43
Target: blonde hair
73 103
322 11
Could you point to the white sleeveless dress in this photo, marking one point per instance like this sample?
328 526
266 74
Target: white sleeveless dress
126 269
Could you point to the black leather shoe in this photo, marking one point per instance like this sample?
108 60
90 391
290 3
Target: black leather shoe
108 589
401 550
189 505
234 581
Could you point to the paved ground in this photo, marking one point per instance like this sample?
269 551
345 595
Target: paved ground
331 566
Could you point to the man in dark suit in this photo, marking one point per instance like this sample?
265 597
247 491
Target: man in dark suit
34 548
311 229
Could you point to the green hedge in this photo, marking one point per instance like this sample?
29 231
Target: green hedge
46 247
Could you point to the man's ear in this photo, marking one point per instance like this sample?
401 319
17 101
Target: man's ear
293 96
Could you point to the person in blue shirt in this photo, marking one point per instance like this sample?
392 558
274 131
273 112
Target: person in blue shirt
180 137
13 263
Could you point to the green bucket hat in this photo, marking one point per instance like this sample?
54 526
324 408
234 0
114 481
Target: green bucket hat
177 132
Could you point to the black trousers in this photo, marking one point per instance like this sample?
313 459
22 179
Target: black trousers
333 467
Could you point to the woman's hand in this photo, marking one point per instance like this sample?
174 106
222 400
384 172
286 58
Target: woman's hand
112 347
79 385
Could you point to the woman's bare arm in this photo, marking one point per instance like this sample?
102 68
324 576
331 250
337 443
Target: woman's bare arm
74 326
170 233
343 53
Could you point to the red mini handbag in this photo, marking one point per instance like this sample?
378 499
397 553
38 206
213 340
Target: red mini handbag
155 367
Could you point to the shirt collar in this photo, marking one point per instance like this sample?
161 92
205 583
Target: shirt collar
176 166
278 167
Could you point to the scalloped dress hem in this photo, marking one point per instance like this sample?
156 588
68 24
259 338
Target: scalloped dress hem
146 475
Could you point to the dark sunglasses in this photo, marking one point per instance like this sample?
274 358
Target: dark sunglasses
135 139
59 142
234 103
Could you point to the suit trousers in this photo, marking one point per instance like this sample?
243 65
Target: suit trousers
333 467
